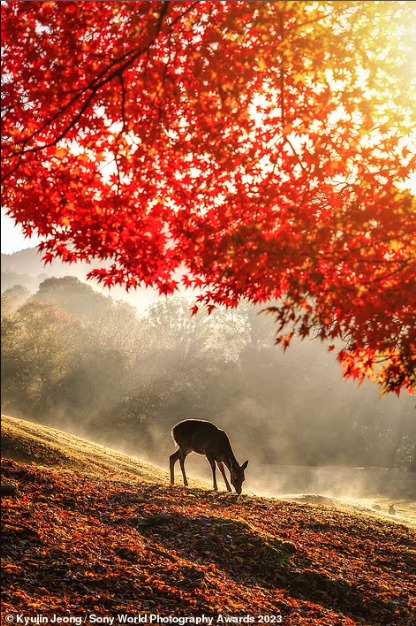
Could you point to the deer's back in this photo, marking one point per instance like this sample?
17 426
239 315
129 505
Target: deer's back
200 436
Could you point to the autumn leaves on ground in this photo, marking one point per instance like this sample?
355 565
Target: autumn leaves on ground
89 534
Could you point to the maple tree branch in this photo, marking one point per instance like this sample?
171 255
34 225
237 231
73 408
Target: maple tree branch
402 265
282 71
182 15
163 13
123 103
282 93
287 140
95 84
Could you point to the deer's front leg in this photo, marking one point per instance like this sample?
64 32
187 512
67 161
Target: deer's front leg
221 468
211 461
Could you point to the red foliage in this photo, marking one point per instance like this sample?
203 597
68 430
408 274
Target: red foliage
261 148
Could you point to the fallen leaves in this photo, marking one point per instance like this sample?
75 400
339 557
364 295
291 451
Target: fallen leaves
74 544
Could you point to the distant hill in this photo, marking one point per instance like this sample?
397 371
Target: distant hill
24 262
29 262
26 268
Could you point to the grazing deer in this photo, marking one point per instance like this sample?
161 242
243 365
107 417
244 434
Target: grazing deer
205 438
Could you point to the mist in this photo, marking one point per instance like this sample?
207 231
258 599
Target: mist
82 362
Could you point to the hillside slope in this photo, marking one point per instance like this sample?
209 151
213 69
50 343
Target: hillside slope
26 441
88 533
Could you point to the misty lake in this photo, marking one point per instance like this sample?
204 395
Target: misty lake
333 480
371 490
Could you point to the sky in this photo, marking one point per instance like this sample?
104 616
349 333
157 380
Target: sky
12 238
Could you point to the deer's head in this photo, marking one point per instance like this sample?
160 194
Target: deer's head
237 476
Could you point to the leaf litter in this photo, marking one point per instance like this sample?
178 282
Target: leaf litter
77 544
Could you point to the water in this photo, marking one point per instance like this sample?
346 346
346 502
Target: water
332 480
389 493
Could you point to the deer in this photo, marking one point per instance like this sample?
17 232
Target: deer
203 437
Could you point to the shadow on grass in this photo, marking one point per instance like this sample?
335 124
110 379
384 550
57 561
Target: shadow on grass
257 559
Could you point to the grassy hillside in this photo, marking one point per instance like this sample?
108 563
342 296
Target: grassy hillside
27 442
90 533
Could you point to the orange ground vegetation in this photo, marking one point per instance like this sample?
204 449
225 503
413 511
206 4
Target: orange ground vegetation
79 545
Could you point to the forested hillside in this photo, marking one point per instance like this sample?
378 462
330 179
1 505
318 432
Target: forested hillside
76 359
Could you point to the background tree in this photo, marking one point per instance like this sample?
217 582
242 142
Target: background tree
12 299
125 380
261 148
38 348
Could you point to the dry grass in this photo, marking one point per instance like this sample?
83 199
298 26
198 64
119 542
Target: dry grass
29 442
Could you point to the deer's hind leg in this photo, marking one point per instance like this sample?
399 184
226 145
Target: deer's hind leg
172 460
221 468
182 457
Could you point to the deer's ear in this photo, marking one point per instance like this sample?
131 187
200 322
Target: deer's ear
244 465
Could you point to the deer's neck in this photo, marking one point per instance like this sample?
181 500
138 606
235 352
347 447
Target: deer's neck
230 460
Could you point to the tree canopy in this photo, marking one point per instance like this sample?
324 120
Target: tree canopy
249 150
